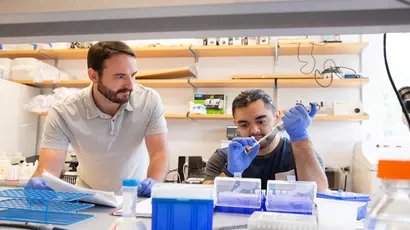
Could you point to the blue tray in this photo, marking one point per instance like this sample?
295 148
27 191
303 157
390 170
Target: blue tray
42 217
43 194
46 206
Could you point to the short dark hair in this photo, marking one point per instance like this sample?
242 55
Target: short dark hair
249 96
101 51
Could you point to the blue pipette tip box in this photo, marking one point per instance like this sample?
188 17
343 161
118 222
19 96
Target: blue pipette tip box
43 206
182 207
349 196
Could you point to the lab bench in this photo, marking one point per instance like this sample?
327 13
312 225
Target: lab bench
103 219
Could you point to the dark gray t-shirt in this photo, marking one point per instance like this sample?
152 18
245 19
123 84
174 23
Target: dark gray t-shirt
275 165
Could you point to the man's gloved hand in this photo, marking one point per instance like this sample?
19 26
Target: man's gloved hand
37 183
144 188
297 120
238 158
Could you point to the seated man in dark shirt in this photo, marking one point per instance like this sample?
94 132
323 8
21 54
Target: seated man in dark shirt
275 157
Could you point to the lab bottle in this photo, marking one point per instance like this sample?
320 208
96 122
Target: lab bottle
129 195
392 210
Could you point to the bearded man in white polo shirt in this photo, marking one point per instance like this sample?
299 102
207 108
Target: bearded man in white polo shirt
107 124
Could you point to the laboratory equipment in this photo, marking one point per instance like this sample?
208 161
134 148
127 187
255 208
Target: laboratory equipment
291 196
365 162
337 214
347 108
128 221
238 192
196 108
43 206
276 129
391 211
182 207
349 196
281 221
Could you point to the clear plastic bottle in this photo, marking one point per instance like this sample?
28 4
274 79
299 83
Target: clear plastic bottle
392 210
129 195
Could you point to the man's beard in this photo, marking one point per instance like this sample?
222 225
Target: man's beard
111 95
265 143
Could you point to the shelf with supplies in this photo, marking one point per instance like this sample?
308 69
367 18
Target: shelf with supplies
273 76
216 83
285 49
229 116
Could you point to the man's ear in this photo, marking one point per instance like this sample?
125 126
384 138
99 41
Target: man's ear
93 75
278 116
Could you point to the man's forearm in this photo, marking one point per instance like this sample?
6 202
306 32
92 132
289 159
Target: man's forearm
307 166
158 167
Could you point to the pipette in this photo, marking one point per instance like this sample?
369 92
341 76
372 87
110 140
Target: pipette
279 127
276 129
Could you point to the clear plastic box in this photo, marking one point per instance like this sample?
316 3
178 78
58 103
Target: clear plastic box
238 192
281 221
291 196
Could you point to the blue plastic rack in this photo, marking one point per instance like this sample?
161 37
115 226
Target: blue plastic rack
43 206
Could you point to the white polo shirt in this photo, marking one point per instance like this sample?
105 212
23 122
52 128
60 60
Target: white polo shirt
108 149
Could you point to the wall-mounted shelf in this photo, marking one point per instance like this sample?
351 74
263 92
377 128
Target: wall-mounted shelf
85 83
274 76
230 51
204 51
180 72
311 83
262 83
229 116
235 83
21 53
322 48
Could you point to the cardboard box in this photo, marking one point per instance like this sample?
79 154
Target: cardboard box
214 103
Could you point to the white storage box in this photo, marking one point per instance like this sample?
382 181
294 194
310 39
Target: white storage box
33 69
5 68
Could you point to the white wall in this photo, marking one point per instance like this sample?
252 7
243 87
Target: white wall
18 128
333 139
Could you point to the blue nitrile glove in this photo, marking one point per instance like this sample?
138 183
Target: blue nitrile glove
238 158
297 120
37 183
144 188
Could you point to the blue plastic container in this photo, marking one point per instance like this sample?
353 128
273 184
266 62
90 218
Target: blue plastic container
179 214
349 196
182 207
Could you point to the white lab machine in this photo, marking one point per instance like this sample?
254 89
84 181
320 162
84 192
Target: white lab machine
366 157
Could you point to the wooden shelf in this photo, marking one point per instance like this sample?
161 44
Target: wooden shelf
169 73
210 116
21 53
229 51
175 115
160 52
322 48
311 83
149 52
274 76
164 83
262 83
85 83
342 117
203 51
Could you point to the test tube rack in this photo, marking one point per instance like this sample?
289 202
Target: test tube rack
43 206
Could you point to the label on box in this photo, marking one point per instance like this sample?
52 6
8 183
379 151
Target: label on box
214 103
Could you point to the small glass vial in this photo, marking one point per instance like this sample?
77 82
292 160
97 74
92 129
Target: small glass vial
129 195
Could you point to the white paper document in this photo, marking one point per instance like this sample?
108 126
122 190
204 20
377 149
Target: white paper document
100 197
143 209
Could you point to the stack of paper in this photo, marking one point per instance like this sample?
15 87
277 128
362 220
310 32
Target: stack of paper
100 197
143 209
